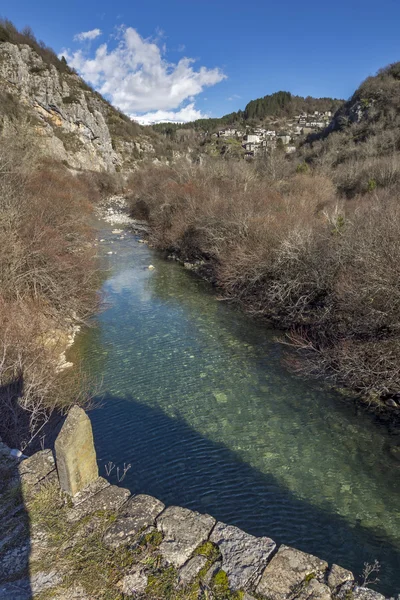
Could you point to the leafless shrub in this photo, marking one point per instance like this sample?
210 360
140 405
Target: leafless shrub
369 571
47 281
295 252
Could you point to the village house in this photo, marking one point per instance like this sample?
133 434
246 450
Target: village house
226 133
251 137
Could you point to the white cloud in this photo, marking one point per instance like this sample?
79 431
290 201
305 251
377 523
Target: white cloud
185 114
137 78
87 35
233 97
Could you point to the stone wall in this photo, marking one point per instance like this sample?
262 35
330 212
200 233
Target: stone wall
191 554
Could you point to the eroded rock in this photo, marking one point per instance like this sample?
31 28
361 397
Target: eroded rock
244 556
287 570
138 513
362 593
183 531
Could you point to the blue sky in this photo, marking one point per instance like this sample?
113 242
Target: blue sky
180 59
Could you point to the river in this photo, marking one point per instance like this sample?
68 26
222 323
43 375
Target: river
198 401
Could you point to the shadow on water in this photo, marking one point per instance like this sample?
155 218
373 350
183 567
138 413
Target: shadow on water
175 471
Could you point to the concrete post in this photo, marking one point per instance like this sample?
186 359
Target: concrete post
75 453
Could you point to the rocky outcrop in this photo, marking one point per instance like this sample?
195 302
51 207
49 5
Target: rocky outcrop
70 128
72 121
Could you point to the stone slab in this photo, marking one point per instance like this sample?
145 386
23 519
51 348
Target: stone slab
191 569
183 531
110 499
75 453
315 590
139 513
363 593
36 468
244 556
337 576
90 490
287 570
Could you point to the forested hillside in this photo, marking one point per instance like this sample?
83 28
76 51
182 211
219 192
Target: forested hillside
279 104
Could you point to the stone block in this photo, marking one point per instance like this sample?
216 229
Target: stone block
75 453
191 569
110 499
337 576
244 556
286 572
183 531
36 467
314 590
135 582
138 514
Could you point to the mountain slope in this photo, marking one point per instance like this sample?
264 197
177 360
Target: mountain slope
76 125
361 147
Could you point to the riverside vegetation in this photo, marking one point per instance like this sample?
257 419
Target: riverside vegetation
48 283
309 242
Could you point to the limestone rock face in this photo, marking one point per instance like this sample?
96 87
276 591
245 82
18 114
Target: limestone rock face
183 531
362 593
287 570
139 513
75 453
243 555
74 129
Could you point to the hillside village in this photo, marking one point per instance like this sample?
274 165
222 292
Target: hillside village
255 140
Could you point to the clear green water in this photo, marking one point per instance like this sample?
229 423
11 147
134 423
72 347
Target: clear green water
198 401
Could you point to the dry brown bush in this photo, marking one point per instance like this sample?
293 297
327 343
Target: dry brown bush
293 251
47 281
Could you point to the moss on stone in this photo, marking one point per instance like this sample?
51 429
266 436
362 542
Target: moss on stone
209 550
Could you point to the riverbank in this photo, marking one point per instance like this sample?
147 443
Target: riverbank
117 211
290 251
52 543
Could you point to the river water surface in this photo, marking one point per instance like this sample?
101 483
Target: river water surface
198 401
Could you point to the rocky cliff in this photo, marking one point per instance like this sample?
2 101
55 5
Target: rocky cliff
76 125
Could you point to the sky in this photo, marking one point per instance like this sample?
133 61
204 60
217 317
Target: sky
178 60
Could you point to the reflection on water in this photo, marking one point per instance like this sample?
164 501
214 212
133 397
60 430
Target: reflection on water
197 400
